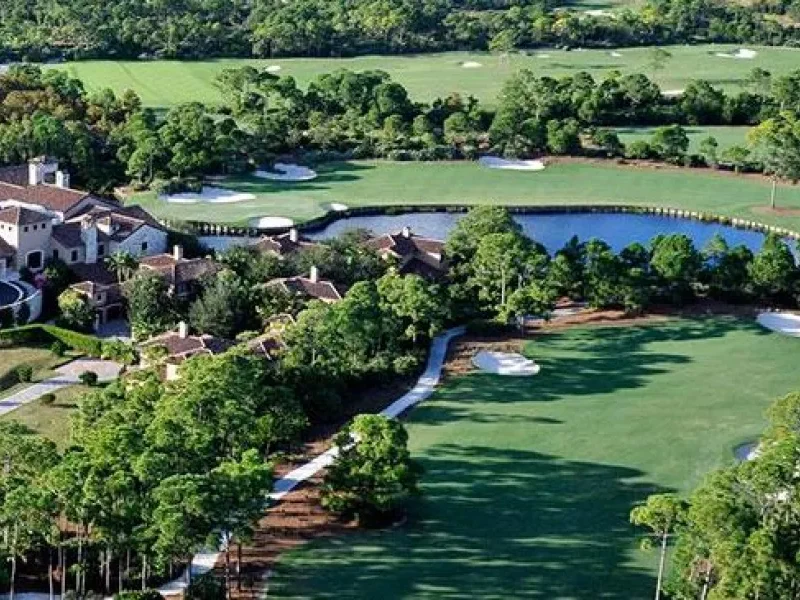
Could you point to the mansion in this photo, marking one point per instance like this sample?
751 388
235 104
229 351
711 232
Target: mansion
42 217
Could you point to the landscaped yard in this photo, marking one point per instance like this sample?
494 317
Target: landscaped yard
529 481
166 83
40 358
374 183
50 420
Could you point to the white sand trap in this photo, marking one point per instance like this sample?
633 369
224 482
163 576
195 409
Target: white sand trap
615 54
470 64
209 195
502 363
270 222
748 451
494 162
672 93
336 206
541 55
598 12
785 323
273 68
744 53
287 172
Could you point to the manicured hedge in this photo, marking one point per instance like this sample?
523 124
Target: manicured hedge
47 334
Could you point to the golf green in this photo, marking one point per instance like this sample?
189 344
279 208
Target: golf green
382 183
529 482
428 76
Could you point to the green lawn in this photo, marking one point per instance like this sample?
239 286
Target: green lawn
51 421
371 183
40 358
725 136
165 83
529 482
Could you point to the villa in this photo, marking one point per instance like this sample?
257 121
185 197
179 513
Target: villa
311 287
284 244
183 275
173 348
414 254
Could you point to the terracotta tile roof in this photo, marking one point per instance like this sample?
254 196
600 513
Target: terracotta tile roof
405 245
6 249
181 271
304 286
96 273
283 244
18 215
184 347
68 234
113 293
49 196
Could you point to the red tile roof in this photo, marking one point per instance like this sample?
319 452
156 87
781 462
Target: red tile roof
49 196
184 347
181 271
303 286
283 244
18 215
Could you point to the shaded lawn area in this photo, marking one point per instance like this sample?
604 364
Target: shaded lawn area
385 183
51 420
40 358
529 482
166 83
726 136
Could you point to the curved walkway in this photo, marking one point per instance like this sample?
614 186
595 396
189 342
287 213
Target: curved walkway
202 563
67 375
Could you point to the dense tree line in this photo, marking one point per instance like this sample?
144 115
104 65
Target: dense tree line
201 28
736 535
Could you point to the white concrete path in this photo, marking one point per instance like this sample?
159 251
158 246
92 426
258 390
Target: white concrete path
202 563
68 374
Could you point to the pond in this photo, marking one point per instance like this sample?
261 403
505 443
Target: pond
552 230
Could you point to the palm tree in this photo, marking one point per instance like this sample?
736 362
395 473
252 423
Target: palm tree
123 264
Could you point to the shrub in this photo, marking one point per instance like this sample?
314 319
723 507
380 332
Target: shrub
205 587
48 399
24 373
6 318
23 314
88 378
120 352
149 594
58 348
487 328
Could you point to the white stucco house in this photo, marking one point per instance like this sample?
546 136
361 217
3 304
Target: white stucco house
42 217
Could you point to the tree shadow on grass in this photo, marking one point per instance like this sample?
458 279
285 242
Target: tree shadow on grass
492 523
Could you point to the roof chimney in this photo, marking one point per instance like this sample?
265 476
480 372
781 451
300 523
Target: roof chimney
183 330
62 179
35 173
177 252
294 236
406 232
314 277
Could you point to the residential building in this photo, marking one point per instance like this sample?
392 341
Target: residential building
284 244
311 287
182 274
413 253
176 347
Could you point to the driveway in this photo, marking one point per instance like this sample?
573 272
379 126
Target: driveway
66 375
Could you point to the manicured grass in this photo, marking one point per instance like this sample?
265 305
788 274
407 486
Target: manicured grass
725 136
529 482
50 420
385 183
40 358
166 83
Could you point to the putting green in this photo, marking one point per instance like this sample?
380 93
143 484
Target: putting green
529 482
380 183
427 76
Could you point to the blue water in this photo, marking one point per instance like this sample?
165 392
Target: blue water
554 230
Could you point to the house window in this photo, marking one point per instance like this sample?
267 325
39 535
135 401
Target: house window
73 257
26 229
101 249
44 225
55 254
144 247
35 227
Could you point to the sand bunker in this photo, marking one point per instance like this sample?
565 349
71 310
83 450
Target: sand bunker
502 363
273 68
672 93
471 65
493 162
598 12
210 195
615 54
270 222
336 206
785 323
287 172
541 56
745 53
